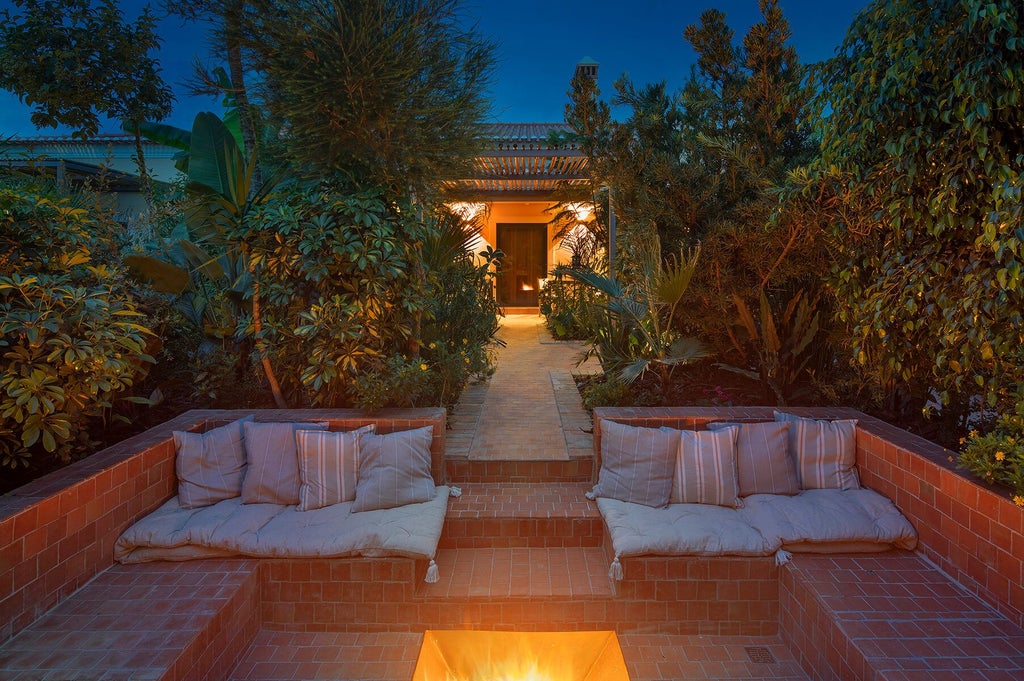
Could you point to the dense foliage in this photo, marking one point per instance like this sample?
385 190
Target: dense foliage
71 337
920 184
702 167
340 299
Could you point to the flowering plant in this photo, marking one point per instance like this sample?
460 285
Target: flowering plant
998 457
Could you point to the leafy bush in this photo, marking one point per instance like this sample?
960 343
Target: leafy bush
462 313
70 332
777 347
998 457
358 295
567 305
634 330
607 391
920 183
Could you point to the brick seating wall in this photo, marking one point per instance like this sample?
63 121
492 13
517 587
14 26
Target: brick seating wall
58 532
972 532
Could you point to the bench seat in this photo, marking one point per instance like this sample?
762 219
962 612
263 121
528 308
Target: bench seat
813 521
231 528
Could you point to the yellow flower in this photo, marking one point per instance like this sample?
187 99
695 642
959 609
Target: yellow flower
1000 456
1019 500
963 440
950 458
973 433
464 341
423 366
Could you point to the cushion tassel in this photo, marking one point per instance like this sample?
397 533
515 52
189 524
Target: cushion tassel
455 491
615 571
433 575
782 557
589 495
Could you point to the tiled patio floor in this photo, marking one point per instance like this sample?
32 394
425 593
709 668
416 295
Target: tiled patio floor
284 656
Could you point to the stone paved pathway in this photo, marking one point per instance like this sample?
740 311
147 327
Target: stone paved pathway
533 410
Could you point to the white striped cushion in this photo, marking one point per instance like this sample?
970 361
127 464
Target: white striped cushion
328 464
394 470
705 468
636 464
272 476
763 462
825 451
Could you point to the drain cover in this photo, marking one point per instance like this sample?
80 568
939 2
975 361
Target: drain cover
760 655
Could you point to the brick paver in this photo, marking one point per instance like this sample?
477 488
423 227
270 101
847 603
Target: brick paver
530 408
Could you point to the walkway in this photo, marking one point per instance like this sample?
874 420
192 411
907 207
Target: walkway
532 407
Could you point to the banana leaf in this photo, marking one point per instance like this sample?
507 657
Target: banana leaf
162 276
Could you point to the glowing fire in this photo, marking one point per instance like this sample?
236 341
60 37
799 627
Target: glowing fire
526 287
515 656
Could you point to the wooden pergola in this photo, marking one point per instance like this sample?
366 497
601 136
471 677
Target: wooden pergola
522 163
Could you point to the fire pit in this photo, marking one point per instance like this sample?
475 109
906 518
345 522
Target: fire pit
526 656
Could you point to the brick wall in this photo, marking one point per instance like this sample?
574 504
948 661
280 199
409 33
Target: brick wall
971 531
58 532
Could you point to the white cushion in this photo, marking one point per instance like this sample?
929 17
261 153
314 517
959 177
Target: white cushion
210 466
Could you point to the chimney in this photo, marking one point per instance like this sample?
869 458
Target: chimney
586 67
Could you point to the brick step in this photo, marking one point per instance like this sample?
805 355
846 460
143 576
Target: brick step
288 656
892 617
155 621
464 470
528 573
506 515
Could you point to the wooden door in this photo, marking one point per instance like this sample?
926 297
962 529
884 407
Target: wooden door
525 264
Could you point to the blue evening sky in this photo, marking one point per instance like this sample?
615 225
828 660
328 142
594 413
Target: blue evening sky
539 43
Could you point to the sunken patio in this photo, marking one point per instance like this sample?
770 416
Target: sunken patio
522 550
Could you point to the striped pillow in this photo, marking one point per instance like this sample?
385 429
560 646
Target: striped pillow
210 466
272 476
763 462
327 466
825 451
636 464
394 470
705 468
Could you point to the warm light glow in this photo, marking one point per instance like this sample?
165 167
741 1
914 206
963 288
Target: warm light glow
467 210
515 656
583 211
526 287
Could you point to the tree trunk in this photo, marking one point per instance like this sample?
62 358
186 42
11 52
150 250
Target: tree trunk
145 181
257 323
236 70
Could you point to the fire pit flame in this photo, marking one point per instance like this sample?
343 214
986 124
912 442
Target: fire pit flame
520 656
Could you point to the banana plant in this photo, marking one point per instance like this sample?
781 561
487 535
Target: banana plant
634 330
220 184
776 347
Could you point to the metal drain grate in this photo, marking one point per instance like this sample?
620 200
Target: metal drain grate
760 655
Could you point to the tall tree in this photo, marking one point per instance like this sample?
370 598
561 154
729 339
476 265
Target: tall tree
86 62
383 92
922 170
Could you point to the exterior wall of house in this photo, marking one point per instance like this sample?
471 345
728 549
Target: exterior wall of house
113 152
524 212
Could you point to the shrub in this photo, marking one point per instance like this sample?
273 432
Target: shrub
920 183
998 457
566 305
70 333
358 295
